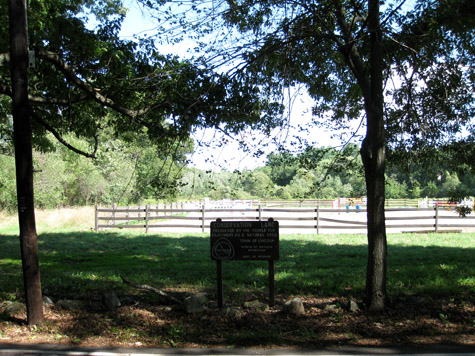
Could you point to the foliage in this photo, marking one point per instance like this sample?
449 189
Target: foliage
125 173
427 49
90 90
324 173
7 183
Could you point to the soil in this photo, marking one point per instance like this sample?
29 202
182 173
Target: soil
146 320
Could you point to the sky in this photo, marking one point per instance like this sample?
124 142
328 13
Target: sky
211 153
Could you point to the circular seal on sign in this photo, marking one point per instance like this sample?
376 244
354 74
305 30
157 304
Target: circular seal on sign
223 249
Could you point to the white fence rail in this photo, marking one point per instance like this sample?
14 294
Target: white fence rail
185 217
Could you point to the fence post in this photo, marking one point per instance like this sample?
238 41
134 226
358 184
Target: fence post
113 214
436 218
203 217
127 215
138 209
260 212
96 219
318 220
146 217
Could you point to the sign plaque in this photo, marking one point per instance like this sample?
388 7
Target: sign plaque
244 240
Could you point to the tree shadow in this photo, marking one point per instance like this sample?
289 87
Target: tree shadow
78 265
73 263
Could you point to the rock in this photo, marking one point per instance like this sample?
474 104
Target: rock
256 305
12 308
110 300
353 306
68 304
232 312
294 306
331 308
47 300
195 303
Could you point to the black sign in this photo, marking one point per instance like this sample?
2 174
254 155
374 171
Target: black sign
245 240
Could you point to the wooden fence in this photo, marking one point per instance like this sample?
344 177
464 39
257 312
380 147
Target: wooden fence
183 217
338 203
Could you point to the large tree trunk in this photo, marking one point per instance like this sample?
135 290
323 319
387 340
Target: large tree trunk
374 157
24 161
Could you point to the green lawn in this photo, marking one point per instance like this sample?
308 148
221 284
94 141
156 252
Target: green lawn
75 263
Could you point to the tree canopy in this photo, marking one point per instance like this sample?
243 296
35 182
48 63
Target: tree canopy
87 81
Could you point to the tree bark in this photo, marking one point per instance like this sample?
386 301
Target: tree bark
24 161
374 157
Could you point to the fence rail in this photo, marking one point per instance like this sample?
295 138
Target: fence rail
338 203
304 220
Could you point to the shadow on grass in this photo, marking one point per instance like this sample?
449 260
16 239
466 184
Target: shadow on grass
76 265
73 264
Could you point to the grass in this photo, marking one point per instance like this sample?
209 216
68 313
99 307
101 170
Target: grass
76 261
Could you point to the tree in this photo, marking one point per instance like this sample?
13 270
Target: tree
86 81
258 184
283 167
408 73
24 161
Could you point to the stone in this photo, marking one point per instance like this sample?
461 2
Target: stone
256 305
294 306
69 304
331 308
12 308
47 300
110 300
232 312
195 303
353 306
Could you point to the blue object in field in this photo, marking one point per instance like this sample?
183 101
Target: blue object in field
347 207
358 207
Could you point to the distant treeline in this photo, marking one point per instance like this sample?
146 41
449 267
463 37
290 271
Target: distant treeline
126 174
327 173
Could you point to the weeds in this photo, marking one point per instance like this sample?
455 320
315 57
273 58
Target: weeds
176 334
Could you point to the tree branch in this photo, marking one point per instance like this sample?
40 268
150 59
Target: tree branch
64 68
6 90
350 51
56 134
152 289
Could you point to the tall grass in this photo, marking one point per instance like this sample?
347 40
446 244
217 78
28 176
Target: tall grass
78 218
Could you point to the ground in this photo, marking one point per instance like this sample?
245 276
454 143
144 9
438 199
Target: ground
146 320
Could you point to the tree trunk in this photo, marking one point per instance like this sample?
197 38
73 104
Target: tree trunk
374 157
24 161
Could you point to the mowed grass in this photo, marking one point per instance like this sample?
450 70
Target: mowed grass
76 261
